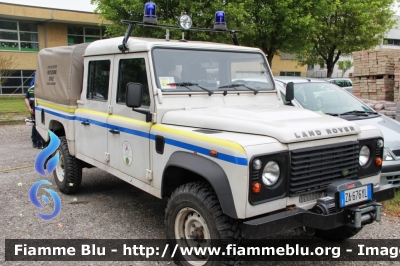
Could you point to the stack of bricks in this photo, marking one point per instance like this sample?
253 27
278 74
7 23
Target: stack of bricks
383 107
374 72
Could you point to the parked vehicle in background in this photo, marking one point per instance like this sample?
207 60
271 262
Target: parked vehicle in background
323 97
343 83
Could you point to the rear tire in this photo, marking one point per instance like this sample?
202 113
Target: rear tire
68 172
338 234
193 218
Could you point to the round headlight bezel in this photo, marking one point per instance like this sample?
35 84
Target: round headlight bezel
365 156
271 173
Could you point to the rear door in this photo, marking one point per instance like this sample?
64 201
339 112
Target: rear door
92 111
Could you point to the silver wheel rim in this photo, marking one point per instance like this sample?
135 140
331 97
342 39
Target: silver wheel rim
60 172
191 231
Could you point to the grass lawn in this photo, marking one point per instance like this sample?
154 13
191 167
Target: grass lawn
392 207
13 108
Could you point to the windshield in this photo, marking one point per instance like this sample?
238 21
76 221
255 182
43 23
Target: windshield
210 71
327 98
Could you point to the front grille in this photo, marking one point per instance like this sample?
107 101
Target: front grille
313 169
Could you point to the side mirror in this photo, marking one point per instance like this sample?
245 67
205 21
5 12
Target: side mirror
289 96
134 95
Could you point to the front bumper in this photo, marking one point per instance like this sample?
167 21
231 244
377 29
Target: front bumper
390 173
290 219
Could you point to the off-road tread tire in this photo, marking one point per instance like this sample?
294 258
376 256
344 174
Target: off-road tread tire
72 170
227 227
337 234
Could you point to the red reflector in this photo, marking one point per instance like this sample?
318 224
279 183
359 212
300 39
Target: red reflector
350 185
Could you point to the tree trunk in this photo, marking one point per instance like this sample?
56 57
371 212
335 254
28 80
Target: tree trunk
329 66
269 59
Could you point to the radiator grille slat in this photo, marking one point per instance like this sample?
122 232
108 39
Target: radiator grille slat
313 169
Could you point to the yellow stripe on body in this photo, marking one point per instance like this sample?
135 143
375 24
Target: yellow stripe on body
87 111
130 120
56 106
220 142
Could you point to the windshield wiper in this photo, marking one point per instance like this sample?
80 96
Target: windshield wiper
187 84
233 86
355 112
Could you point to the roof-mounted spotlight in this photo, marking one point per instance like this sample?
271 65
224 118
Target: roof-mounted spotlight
185 22
150 13
219 23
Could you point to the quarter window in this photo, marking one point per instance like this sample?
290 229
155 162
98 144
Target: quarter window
18 36
132 70
98 80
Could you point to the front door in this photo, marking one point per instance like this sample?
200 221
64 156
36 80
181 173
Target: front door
129 134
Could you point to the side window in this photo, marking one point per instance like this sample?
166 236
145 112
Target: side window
132 70
98 80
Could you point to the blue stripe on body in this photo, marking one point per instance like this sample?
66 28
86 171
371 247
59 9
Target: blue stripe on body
172 142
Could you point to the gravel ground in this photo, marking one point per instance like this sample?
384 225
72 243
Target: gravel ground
105 208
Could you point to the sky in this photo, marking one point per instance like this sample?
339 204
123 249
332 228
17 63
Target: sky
80 5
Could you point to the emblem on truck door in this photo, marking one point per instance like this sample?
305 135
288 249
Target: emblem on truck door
127 153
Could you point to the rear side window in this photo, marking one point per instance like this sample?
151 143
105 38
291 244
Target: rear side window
98 80
132 70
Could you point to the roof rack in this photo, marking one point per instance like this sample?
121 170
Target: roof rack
132 24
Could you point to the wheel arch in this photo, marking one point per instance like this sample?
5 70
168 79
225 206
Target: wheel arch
197 168
57 127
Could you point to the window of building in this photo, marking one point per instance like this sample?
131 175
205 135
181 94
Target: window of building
98 80
77 35
391 41
292 74
18 83
310 67
287 56
18 36
132 70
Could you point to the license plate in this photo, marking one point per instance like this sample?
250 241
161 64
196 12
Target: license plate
355 195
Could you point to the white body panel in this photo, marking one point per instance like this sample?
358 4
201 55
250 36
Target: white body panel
248 125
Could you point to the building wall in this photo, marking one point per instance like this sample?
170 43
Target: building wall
52 27
286 65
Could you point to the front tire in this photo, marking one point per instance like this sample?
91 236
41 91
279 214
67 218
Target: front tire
340 233
68 172
194 218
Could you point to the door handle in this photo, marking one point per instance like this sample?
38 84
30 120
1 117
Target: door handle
85 123
114 131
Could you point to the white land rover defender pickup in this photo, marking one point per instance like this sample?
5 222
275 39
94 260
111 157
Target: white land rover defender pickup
178 120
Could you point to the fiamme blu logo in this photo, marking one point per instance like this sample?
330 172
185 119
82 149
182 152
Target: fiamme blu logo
45 164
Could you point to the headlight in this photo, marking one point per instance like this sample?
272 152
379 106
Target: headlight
386 155
270 173
364 155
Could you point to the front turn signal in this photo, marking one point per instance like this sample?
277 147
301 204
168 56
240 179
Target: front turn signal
378 161
256 187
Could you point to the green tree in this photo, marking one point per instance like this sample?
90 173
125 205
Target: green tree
281 25
168 12
345 65
346 26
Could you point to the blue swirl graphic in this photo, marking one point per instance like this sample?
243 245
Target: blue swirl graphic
46 153
35 201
